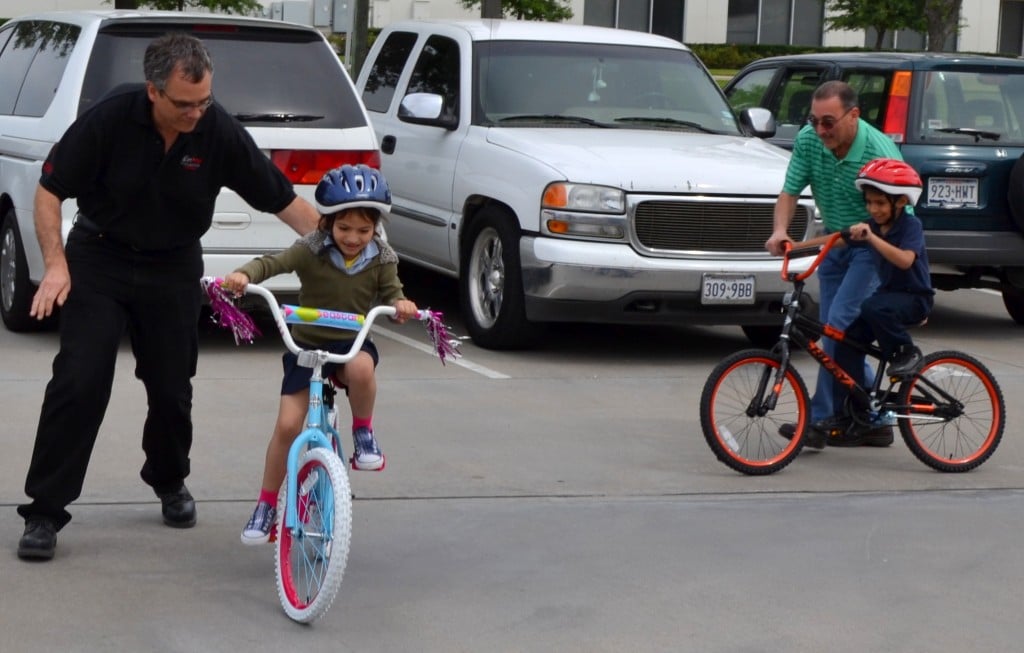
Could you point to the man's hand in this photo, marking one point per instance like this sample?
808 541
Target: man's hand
53 290
774 245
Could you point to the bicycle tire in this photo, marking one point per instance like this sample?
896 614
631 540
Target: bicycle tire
310 564
747 443
961 442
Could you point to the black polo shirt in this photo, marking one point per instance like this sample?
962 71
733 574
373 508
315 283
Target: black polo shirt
112 160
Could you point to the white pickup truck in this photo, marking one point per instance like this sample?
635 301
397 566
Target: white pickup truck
567 173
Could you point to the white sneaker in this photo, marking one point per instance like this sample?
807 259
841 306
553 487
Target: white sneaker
366 454
261 526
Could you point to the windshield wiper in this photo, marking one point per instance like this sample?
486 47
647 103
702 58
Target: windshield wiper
978 134
276 117
554 117
668 121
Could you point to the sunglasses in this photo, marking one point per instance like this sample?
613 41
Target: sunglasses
827 122
183 106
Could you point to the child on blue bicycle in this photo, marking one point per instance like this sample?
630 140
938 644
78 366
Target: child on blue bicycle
344 265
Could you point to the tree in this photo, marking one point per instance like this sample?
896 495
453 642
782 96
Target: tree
248 7
940 20
881 15
545 10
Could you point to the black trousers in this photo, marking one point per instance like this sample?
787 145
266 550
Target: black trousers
156 297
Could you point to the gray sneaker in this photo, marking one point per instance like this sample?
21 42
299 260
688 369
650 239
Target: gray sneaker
262 525
366 454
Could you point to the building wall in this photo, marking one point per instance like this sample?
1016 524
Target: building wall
705 21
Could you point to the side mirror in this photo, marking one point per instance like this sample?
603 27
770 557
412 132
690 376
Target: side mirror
758 121
426 109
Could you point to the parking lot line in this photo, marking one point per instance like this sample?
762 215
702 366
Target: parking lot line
461 362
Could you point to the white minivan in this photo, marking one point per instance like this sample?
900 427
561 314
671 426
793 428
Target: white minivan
283 81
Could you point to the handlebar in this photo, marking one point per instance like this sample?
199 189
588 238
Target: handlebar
227 315
288 314
818 251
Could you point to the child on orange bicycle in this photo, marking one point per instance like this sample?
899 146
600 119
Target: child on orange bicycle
344 265
904 296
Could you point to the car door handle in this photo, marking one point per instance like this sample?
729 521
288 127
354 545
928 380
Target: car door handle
387 144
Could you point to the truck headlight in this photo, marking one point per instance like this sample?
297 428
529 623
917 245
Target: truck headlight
584 197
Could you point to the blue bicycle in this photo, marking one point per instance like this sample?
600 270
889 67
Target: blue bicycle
314 527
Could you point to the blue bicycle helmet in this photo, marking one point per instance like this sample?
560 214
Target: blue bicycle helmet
351 186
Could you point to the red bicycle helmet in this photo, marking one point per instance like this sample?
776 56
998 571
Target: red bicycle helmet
892 177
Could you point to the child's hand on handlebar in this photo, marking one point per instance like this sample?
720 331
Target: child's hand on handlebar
859 231
236 282
406 309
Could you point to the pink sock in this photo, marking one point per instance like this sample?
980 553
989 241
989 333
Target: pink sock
359 422
268 496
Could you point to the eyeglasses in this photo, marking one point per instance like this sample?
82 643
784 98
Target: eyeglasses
185 107
827 122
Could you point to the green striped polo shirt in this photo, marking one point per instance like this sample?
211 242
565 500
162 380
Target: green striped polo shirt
831 179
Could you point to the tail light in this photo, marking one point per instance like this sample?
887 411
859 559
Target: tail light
308 166
895 125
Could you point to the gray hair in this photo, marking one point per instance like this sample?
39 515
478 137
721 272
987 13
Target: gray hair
176 50
835 88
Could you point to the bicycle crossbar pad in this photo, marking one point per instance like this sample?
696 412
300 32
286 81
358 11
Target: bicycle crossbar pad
322 317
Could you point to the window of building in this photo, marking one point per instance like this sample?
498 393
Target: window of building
797 22
1011 27
664 17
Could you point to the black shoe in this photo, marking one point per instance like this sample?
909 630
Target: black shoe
39 540
179 508
906 362
862 436
813 438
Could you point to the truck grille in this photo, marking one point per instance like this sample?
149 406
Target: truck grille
702 225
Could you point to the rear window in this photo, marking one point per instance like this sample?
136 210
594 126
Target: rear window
271 77
967 107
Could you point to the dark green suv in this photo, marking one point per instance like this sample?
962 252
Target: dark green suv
958 119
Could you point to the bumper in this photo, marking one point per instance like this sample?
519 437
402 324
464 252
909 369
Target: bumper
975 248
574 281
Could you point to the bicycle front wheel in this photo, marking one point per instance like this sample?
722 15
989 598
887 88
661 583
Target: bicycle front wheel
958 430
737 429
310 559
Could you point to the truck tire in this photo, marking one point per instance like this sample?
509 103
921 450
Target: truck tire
1013 300
1015 195
491 283
16 291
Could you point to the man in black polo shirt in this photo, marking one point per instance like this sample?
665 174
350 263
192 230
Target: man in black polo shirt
145 166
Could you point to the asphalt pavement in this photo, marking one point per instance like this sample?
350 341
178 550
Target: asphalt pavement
556 500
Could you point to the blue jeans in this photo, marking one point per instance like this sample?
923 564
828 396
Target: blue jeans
846 277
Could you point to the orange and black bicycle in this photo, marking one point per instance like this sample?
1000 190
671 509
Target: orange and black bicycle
950 412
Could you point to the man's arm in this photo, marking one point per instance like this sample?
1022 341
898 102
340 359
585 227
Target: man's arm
300 215
56 283
785 206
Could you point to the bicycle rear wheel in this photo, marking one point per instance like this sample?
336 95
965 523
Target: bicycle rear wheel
958 435
742 438
310 559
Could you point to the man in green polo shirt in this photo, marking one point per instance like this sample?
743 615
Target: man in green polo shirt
827 155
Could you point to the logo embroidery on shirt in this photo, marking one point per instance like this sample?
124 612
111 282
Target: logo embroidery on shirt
189 162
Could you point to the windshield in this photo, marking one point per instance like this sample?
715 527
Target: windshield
530 84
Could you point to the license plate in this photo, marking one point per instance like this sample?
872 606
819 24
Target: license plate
953 191
727 289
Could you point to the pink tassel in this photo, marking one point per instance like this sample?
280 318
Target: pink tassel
228 316
445 344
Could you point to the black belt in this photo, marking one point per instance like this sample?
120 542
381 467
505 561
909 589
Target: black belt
93 229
